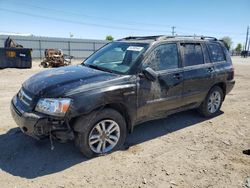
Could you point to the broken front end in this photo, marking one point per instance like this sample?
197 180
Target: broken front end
47 120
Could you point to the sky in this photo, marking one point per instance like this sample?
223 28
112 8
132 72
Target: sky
96 19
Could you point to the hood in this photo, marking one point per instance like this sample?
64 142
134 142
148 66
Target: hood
64 77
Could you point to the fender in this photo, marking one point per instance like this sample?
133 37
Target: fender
122 97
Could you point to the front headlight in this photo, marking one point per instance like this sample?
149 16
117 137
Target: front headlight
56 107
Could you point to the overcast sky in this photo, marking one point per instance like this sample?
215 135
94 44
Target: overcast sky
97 18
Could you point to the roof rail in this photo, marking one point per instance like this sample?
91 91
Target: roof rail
187 36
164 37
154 37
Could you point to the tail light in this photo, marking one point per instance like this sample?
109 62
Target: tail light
231 74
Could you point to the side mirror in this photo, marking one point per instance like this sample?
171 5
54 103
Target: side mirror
150 74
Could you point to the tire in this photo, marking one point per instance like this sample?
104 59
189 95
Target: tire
92 132
212 103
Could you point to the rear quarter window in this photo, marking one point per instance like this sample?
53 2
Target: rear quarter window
216 52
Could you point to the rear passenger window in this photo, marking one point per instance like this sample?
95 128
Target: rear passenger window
216 52
163 57
192 54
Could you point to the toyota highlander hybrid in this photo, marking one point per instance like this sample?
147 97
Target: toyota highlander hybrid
126 82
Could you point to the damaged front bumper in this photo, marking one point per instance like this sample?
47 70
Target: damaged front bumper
38 125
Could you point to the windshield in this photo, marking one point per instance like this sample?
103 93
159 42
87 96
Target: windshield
116 56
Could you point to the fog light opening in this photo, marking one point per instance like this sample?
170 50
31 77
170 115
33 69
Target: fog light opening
25 129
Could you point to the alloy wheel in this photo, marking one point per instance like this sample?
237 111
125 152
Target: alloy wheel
104 136
214 101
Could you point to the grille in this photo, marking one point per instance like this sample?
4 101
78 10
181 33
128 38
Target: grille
24 98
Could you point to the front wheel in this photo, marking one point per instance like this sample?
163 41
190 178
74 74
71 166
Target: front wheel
212 103
106 132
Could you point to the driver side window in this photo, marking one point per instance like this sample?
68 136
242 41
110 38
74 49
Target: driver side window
163 57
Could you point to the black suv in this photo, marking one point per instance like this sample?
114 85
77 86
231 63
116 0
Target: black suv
126 82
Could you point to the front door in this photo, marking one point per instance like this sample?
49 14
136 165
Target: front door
164 94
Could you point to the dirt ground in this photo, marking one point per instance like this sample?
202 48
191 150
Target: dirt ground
183 150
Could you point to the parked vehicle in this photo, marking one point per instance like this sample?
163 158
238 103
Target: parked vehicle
245 53
127 82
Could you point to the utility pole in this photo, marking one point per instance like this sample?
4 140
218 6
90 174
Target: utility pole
248 47
246 38
173 32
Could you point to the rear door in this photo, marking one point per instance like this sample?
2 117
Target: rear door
223 69
156 98
198 73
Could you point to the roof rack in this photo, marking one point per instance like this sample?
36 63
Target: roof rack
164 37
155 37
187 36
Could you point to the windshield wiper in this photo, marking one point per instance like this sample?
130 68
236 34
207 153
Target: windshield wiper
100 68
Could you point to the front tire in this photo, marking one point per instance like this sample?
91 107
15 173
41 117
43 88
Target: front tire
212 103
104 133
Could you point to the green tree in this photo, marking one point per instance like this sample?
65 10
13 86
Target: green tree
109 38
238 48
228 41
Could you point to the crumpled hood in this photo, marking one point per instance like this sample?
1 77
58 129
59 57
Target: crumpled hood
71 76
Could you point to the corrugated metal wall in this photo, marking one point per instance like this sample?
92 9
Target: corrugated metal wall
79 48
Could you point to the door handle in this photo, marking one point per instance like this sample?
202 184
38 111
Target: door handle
210 69
178 76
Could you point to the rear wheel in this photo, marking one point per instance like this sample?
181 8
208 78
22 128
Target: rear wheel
212 103
106 132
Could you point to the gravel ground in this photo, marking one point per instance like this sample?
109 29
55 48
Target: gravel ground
183 150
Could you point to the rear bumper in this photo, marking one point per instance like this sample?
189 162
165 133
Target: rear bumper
230 85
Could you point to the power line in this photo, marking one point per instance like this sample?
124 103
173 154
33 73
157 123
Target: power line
210 31
101 25
89 16
80 23
123 21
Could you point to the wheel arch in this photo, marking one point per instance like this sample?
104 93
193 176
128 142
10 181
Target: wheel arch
223 86
122 109
203 109
119 107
